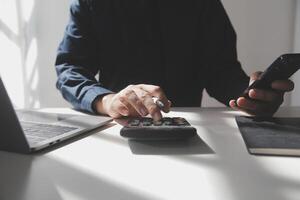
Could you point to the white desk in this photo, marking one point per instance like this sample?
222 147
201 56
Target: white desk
102 166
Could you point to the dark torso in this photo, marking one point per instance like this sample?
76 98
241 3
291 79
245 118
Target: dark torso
151 42
181 46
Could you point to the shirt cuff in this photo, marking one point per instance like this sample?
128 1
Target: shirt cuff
90 97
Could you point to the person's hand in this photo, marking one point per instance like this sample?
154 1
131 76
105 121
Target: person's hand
134 100
263 102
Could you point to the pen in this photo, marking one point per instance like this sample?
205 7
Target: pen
158 102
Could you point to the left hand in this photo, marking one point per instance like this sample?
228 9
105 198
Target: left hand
263 102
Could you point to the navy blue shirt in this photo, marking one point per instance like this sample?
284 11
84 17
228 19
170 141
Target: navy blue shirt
182 46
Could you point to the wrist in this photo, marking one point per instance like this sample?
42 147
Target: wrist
102 103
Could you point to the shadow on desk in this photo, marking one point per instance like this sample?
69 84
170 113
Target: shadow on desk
41 176
30 177
15 174
194 145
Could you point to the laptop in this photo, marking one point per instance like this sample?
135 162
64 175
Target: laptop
26 131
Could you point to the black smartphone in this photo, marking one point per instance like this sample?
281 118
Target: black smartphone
281 69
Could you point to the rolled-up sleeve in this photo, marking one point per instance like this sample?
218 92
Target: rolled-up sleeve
77 61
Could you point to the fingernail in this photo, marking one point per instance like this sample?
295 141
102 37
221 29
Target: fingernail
125 112
143 112
157 116
234 102
252 93
166 108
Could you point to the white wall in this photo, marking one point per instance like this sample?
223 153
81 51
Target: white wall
31 30
295 97
53 17
29 35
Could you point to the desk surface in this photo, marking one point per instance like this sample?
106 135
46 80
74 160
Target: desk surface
104 165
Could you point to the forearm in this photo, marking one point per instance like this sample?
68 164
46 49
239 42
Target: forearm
77 60
79 87
226 82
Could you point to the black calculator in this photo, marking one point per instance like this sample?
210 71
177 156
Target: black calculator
175 128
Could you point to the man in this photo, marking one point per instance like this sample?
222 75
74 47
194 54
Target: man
169 49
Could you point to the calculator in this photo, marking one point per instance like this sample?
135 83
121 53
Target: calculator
175 128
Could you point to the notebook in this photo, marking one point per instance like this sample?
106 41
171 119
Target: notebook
270 136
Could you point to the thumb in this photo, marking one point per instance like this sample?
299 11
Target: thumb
255 76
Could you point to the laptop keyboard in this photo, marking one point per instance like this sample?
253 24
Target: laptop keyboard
37 132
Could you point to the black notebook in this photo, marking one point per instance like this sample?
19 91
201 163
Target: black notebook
270 136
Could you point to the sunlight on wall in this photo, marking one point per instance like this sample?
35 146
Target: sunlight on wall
19 52
11 70
11 53
295 100
27 8
8 14
31 74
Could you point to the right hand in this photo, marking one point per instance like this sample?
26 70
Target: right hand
134 100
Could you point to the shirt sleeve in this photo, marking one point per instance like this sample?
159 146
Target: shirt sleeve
225 79
77 61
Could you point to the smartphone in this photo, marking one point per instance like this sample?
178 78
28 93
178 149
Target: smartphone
281 69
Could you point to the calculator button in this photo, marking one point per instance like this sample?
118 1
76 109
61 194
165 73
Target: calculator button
147 121
167 121
157 123
134 122
180 121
